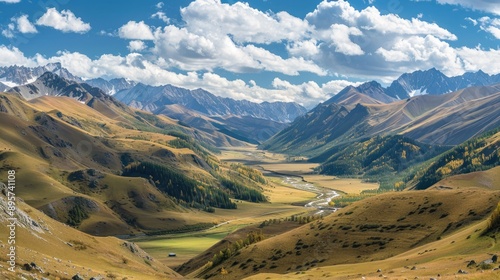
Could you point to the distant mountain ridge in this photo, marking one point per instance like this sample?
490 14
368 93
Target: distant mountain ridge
112 86
13 76
54 85
432 82
153 98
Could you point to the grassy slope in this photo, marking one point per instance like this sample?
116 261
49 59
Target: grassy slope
48 138
62 251
373 229
444 257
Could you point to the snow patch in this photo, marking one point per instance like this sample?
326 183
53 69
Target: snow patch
8 83
29 81
421 91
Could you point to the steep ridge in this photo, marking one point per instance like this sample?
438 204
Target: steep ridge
447 119
367 93
434 82
112 86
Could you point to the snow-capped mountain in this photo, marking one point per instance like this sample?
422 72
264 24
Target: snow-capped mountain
54 85
13 76
434 82
112 86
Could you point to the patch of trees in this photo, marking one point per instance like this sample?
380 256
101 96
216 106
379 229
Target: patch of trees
477 154
76 215
242 192
377 156
252 237
181 187
249 172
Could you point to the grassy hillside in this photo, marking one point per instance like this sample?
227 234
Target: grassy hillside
374 229
56 251
71 158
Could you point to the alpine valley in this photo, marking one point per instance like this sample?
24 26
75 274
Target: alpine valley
116 179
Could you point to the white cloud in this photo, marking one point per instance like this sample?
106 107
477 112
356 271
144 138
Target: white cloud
13 56
138 68
242 22
479 59
136 31
24 25
425 52
307 48
159 5
9 31
474 22
367 44
10 1
136 45
339 36
490 25
64 21
162 16
489 6
189 51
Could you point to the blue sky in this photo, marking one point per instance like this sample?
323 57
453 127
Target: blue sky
260 50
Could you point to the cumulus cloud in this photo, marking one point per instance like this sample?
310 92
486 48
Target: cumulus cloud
139 68
10 1
13 56
136 31
191 51
242 22
64 21
489 6
24 25
480 59
371 45
136 45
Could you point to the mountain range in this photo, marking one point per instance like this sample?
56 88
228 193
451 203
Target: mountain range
447 119
428 82
85 159
239 119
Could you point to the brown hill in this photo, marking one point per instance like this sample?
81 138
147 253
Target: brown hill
447 119
70 157
372 229
47 248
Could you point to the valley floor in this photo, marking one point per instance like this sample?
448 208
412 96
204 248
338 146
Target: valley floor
287 198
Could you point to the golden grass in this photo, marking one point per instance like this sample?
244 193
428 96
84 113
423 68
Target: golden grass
290 168
443 257
345 185
98 255
279 193
489 179
398 221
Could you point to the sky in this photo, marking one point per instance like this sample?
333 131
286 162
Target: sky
259 50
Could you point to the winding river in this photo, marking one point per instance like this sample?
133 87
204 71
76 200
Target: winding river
323 195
